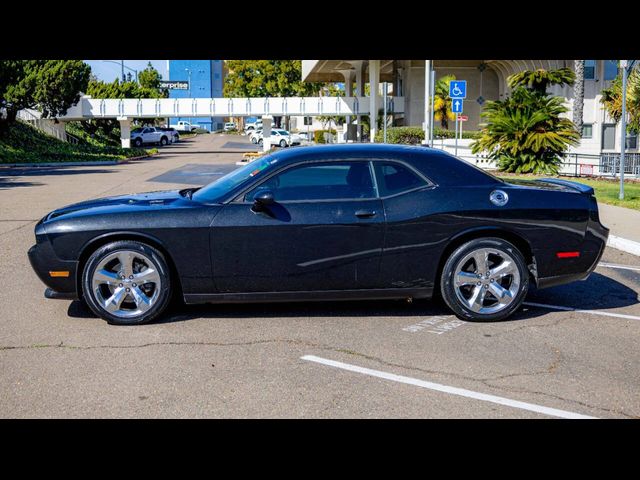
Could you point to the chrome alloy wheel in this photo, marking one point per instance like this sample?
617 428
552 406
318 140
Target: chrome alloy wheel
126 283
486 280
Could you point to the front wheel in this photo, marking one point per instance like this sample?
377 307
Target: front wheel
127 283
137 142
283 143
485 279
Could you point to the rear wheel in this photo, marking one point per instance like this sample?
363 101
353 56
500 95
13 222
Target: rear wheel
260 142
485 279
164 141
127 283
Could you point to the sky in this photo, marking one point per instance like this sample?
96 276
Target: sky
107 71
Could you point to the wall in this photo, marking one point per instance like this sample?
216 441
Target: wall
207 77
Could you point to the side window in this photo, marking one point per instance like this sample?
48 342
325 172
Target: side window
320 181
395 178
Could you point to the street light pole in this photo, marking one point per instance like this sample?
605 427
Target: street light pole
122 69
623 126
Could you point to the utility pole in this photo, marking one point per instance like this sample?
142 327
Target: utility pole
384 123
124 79
623 126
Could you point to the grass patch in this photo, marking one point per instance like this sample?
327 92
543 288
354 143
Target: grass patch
606 190
21 143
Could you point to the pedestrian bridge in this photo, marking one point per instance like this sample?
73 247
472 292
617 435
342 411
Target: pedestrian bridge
94 108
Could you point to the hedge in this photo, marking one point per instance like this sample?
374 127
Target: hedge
318 135
415 135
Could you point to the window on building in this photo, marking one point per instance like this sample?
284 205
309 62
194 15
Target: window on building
609 136
610 69
589 69
632 141
308 120
587 130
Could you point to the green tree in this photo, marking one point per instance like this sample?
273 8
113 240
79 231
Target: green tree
539 80
612 100
149 80
267 78
442 102
525 133
51 86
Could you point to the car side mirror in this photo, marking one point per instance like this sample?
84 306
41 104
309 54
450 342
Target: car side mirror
263 199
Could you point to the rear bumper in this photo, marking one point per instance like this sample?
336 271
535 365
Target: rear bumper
43 261
580 268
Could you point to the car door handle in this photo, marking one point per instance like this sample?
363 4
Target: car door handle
365 213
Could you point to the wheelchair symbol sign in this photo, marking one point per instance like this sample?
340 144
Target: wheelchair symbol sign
458 89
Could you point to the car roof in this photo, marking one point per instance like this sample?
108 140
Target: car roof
439 166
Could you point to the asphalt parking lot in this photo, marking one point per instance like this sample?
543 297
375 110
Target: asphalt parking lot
571 352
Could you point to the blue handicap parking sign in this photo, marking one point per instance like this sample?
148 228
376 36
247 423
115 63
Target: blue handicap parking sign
456 105
458 89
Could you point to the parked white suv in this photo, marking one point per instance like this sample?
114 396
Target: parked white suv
142 135
280 137
229 126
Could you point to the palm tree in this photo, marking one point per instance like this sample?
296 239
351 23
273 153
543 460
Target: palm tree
578 94
612 99
526 133
442 103
538 80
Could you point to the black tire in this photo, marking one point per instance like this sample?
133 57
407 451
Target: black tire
137 142
160 264
448 287
164 141
260 142
283 143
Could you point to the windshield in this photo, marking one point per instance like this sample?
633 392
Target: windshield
216 191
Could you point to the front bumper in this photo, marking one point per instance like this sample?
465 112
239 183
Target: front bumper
43 261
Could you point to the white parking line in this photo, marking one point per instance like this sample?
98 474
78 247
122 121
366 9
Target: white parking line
554 412
590 312
622 267
624 244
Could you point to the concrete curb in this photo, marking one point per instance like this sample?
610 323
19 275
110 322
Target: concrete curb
624 244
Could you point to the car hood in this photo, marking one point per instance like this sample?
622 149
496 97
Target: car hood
120 203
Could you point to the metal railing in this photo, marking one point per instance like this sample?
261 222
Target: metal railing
44 125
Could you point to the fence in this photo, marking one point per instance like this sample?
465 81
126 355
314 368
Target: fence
573 165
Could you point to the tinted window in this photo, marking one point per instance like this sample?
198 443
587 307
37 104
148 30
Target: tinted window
608 137
395 178
218 189
610 69
335 180
589 69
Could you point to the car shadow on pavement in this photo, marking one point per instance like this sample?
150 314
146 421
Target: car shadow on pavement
596 293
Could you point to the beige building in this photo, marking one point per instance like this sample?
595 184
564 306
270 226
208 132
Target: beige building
486 80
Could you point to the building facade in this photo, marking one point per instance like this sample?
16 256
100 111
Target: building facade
486 80
206 80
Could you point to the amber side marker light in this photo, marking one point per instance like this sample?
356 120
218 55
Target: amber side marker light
567 254
61 273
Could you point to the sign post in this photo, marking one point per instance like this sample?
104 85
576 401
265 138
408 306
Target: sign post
457 108
623 126
457 93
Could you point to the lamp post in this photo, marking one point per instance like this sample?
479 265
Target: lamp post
189 73
122 67
627 66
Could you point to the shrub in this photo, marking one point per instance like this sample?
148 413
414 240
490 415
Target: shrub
24 144
318 135
415 135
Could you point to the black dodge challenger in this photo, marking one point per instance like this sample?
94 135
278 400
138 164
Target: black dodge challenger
325 223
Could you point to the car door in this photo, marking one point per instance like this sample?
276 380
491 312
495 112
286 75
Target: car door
413 239
325 231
